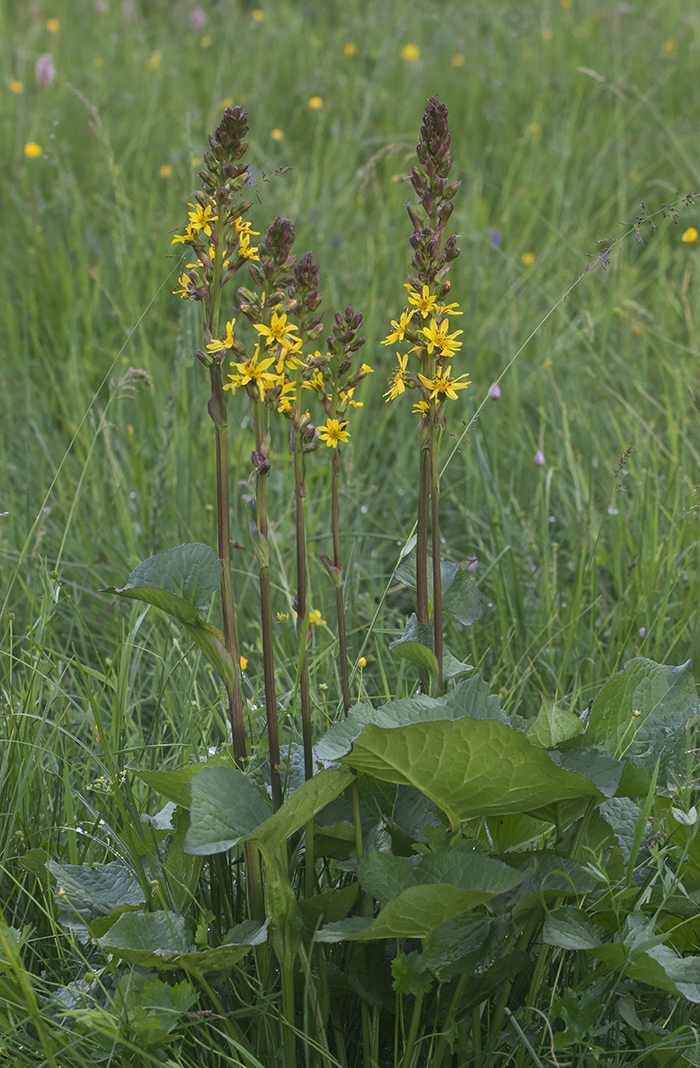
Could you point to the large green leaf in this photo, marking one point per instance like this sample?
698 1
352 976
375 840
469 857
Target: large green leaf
552 726
659 966
302 806
642 713
84 893
180 580
385 876
570 928
415 913
470 943
416 645
226 807
468 767
469 698
175 784
161 940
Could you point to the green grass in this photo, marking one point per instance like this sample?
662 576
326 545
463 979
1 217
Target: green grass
558 139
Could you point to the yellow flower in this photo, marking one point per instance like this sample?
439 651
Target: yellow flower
527 259
399 327
421 408
153 61
244 663
546 34
278 330
32 150
458 60
16 86
252 371
424 303
315 617
669 48
333 432
443 385
349 49
438 338
566 5
362 663
245 249
315 382
98 62
346 399
226 343
258 15
366 369
535 132
195 161
188 235
397 378
227 102
283 617
316 103
410 53
277 134
201 218
690 235
287 395
166 170
53 25
205 42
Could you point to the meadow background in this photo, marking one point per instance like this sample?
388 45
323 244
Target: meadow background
574 130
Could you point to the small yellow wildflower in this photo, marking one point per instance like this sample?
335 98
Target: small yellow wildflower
226 343
349 49
153 61
366 369
205 42
346 399
362 663
458 60
397 378
316 103
53 25
437 337
546 34
287 395
535 132
98 62
201 218
195 161
443 385
277 134
32 150
690 235
424 303
566 5
244 663
421 408
333 432
244 227
410 53
315 618
16 86
669 48
283 617
315 382
278 330
527 259
165 171
399 327
258 15
246 250
188 235
253 371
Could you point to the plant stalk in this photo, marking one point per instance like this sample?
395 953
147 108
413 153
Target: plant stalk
339 601
435 530
301 607
266 606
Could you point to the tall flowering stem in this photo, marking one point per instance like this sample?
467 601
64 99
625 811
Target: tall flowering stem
335 384
424 324
220 244
306 301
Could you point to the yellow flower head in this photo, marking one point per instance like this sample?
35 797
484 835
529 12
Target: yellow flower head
425 303
399 327
277 134
32 150
410 53
437 337
201 218
16 86
316 103
226 343
245 249
258 15
283 617
443 385
189 235
397 378
256 371
349 49
315 618
53 25
153 61
277 333
165 171
421 408
333 432
690 235
527 259
244 663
